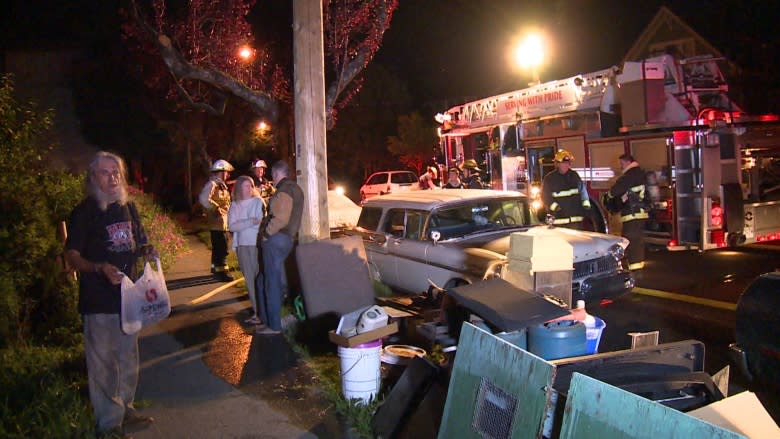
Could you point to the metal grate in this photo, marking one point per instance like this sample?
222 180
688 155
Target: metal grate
494 411
605 264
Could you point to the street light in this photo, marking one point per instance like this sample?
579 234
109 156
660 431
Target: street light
529 54
245 53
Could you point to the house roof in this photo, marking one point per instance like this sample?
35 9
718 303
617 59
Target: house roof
666 30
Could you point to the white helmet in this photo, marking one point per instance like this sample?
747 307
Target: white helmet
258 164
221 165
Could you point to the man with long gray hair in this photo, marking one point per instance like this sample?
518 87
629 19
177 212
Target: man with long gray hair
105 239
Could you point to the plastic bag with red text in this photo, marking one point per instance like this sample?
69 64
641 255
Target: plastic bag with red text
144 301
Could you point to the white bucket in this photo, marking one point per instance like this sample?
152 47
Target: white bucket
360 370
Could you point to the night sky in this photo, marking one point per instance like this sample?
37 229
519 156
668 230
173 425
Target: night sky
448 50
456 49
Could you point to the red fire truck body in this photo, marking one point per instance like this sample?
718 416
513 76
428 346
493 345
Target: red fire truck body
709 165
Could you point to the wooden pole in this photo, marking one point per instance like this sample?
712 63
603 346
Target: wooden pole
309 94
189 180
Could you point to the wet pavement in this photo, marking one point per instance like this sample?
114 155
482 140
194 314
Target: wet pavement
204 374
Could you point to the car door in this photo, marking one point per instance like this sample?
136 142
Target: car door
407 246
375 185
381 264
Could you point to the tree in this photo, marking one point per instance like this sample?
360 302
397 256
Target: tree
415 141
198 45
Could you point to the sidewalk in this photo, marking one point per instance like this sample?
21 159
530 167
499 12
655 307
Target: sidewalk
204 374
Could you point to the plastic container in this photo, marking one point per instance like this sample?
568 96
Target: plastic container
593 334
565 338
518 338
361 370
594 326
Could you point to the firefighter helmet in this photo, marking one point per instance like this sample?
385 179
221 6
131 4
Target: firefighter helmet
471 164
221 165
258 164
563 156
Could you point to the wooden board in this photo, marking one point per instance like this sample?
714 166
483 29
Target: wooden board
595 409
513 375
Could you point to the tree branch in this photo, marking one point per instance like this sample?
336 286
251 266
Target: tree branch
181 69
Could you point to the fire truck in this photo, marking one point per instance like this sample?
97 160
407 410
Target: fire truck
713 171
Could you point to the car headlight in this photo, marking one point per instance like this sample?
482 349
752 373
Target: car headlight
617 251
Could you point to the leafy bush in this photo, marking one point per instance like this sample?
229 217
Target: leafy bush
42 394
166 236
34 200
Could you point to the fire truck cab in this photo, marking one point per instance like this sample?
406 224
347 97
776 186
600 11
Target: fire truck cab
711 168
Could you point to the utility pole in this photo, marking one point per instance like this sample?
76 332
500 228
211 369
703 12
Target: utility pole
309 94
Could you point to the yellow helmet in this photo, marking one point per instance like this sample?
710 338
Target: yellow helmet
563 156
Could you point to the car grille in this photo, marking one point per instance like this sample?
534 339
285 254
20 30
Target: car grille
605 264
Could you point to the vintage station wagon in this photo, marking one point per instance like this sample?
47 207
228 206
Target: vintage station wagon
451 237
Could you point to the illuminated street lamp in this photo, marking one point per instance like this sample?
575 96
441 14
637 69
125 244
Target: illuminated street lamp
529 54
245 53
262 126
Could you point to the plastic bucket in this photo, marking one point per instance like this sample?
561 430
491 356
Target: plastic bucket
561 339
360 370
593 335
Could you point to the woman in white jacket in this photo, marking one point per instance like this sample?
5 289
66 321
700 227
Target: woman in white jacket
244 218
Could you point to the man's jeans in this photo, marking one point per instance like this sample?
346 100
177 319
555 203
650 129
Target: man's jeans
112 369
270 282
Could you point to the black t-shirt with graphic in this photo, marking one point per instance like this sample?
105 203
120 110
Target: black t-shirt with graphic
114 236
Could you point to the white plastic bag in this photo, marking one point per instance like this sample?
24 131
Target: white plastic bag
146 301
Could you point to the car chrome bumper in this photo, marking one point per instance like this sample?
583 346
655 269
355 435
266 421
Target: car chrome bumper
605 286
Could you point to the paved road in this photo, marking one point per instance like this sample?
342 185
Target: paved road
716 274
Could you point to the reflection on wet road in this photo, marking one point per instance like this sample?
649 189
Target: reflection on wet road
265 367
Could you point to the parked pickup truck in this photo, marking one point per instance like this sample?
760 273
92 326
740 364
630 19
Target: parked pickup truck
452 237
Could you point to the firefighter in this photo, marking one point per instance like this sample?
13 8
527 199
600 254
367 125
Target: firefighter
262 184
564 194
215 198
628 196
471 176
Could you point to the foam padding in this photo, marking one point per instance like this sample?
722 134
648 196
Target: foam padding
334 276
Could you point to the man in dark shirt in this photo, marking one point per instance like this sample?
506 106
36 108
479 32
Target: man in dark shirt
105 239
276 241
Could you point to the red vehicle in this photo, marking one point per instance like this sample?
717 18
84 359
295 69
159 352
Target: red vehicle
707 161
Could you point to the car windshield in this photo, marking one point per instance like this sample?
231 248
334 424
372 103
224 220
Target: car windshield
479 215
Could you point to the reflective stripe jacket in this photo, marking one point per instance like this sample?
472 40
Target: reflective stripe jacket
631 185
215 199
564 194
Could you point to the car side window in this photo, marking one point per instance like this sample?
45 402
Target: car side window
414 224
402 178
405 223
394 224
369 218
378 179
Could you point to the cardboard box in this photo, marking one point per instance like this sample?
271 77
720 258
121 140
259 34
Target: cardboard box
349 342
